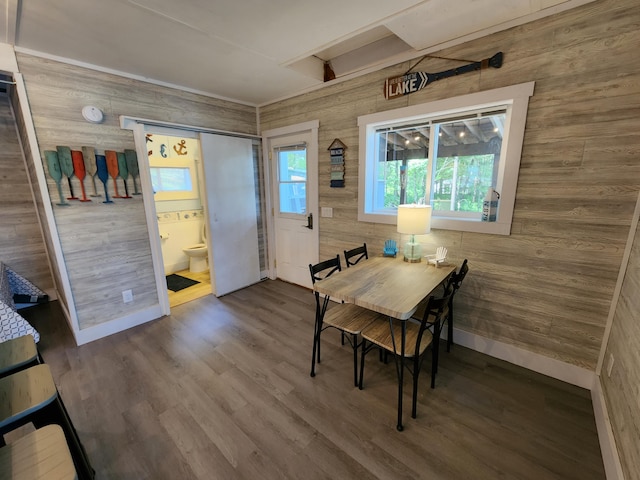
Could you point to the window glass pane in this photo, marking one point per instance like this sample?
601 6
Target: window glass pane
293 198
466 165
292 176
170 179
401 173
292 165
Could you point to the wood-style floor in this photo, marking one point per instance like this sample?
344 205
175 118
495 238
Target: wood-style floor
193 292
221 390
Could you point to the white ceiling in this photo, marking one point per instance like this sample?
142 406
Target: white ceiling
253 51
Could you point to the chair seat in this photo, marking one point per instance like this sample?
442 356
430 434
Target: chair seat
350 318
380 334
24 392
16 353
41 454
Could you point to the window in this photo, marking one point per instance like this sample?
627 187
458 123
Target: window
292 179
447 153
170 179
173 178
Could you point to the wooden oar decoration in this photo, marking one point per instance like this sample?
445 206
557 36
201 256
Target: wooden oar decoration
53 164
123 172
89 154
66 165
112 167
79 170
103 175
414 81
132 166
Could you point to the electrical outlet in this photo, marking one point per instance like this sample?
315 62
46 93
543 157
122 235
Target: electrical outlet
127 296
610 364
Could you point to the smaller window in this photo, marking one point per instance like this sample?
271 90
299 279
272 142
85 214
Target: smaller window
449 154
292 179
173 179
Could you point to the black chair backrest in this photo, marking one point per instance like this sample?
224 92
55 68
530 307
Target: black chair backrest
459 277
435 312
324 269
360 252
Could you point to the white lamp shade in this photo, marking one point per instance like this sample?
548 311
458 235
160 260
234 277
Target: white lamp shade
414 219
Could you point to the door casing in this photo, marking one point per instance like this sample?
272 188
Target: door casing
269 140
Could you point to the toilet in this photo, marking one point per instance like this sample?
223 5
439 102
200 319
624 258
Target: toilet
198 254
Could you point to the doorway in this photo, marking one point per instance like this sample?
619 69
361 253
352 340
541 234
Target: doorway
292 154
175 167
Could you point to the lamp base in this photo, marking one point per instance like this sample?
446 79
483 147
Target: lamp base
412 252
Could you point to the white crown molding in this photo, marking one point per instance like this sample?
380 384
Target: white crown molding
132 76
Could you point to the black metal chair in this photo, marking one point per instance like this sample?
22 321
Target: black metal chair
418 336
348 318
453 285
358 253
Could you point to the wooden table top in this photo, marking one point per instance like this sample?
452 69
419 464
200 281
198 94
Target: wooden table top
385 285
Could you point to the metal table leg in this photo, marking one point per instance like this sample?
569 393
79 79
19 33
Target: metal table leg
401 374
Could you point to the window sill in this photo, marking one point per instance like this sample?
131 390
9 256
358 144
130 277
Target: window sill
443 223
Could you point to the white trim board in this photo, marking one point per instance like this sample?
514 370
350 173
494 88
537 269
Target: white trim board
550 367
111 71
608 448
86 335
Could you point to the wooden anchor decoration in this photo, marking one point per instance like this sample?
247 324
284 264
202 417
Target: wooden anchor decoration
414 81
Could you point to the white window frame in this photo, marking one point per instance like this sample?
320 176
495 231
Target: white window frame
190 165
515 97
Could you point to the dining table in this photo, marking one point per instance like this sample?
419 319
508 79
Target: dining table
389 286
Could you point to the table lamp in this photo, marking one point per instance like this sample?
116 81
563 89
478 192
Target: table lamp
413 220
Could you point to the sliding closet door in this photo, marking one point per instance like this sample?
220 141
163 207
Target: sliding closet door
231 200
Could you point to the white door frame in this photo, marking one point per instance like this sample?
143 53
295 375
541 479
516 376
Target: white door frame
138 127
310 127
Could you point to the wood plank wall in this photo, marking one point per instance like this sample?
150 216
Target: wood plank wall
622 389
20 124
21 243
106 247
547 287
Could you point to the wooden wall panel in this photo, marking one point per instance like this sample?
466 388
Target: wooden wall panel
55 277
21 243
106 247
547 287
622 389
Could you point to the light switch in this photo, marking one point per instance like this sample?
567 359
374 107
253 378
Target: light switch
326 212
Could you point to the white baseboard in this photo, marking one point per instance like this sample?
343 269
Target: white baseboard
90 334
612 466
533 361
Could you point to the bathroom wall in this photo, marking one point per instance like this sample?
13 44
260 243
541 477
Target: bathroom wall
179 230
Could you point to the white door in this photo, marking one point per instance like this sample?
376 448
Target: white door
294 200
232 219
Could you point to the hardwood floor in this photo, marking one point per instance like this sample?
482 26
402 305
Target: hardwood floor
191 293
221 390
